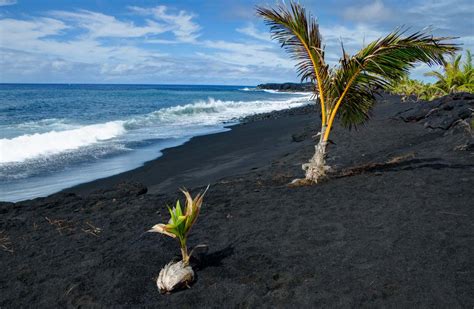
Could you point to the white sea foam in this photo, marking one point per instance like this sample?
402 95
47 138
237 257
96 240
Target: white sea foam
213 112
182 121
273 91
30 146
287 92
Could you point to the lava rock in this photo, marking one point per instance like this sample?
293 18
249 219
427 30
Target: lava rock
287 87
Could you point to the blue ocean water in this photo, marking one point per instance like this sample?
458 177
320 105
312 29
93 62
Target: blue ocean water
56 136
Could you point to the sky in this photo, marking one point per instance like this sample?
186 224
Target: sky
218 42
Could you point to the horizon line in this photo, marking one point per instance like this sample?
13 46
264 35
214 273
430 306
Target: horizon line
143 84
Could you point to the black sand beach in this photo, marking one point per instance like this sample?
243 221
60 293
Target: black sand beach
391 227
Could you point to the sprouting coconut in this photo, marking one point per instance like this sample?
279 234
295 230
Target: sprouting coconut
178 274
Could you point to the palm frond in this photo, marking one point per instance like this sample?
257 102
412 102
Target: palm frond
373 67
298 33
467 67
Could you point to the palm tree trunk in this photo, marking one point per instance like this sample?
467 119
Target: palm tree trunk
316 168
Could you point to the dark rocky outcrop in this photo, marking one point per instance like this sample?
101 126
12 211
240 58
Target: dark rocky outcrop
443 113
290 87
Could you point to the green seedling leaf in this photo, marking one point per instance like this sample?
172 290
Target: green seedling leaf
181 223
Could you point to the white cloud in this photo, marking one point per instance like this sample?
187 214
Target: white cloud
44 36
101 25
353 38
357 35
443 7
452 17
47 36
87 46
371 12
52 48
251 31
44 49
247 54
7 2
14 29
180 24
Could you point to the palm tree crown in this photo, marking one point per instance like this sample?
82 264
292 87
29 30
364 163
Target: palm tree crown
348 90
455 77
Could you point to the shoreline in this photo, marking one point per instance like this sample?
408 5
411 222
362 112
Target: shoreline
143 156
390 227
153 172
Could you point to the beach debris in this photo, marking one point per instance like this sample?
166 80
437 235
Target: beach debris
5 242
377 167
178 274
64 226
61 225
91 229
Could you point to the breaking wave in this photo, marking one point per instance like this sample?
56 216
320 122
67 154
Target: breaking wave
180 121
29 146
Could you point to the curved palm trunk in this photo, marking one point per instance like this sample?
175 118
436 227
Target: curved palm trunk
316 168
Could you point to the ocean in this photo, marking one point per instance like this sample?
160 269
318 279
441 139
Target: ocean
54 136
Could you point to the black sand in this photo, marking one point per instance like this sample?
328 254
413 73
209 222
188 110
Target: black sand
392 227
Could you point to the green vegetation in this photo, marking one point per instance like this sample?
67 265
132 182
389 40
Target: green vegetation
456 76
413 89
181 222
347 90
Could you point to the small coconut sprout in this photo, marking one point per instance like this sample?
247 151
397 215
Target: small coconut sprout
178 274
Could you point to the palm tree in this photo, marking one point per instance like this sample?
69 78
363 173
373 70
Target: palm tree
454 78
408 88
348 90
414 89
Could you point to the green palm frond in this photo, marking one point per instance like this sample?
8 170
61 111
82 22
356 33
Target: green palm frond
298 33
376 65
436 74
349 89
181 222
455 77
467 67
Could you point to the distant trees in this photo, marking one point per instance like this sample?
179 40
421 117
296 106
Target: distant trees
456 76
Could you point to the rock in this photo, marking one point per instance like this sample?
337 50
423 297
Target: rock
441 113
448 106
460 127
462 96
464 113
298 137
287 87
443 122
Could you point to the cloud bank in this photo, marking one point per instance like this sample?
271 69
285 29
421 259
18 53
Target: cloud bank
164 44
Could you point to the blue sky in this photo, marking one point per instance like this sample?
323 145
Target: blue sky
193 42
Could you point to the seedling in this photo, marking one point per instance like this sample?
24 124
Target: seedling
180 273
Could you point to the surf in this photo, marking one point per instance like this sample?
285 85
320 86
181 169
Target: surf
30 146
